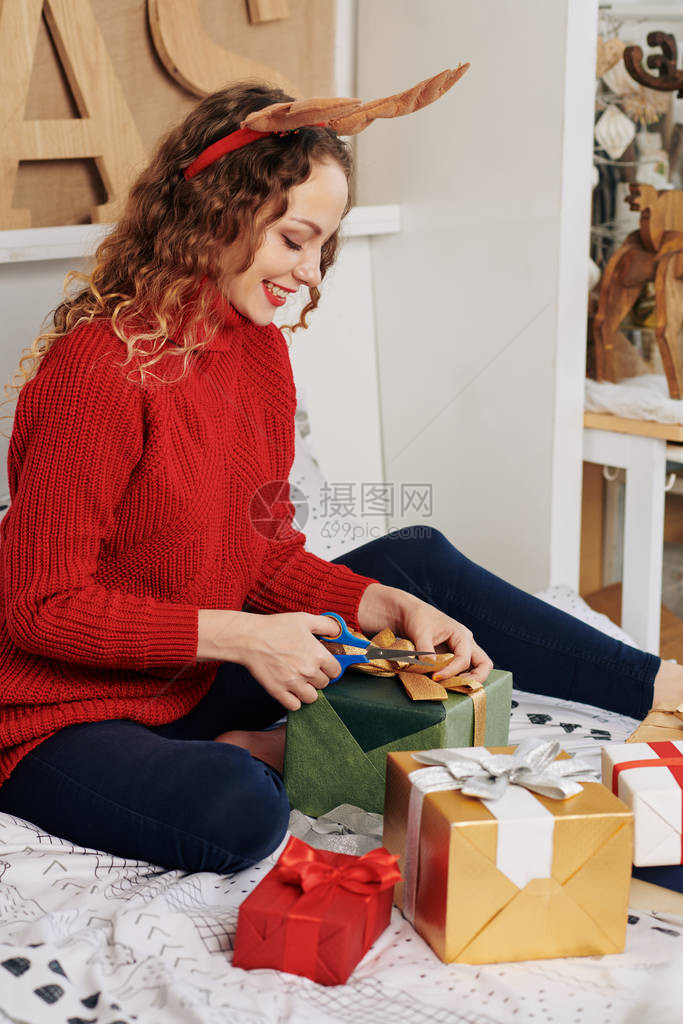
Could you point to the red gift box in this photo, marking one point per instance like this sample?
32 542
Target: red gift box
316 913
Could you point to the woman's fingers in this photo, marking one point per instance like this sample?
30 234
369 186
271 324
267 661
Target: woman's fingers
322 677
329 666
469 658
482 666
427 626
288 700
295 694
323 625
462 646
307 693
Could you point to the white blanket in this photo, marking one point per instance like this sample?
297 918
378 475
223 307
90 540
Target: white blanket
636 398
86 937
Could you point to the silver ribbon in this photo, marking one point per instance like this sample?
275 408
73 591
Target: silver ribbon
479 773
344 829
487 776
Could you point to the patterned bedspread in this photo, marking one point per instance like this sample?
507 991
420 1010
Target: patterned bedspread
86 937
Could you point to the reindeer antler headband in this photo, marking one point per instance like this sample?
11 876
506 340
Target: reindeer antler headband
344 116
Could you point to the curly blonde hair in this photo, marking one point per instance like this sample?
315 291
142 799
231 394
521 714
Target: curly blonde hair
148 268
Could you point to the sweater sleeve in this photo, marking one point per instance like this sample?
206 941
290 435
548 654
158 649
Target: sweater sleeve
78 434
294 580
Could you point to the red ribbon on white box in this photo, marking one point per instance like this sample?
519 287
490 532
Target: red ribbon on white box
667 755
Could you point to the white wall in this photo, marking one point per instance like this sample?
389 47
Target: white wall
480 384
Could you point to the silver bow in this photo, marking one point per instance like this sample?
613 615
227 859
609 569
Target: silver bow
533 765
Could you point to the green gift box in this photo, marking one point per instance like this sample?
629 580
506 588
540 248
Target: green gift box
337 747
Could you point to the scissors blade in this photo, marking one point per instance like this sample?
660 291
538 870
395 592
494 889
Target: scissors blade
394 654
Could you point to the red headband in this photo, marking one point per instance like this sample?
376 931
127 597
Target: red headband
242 137
208 156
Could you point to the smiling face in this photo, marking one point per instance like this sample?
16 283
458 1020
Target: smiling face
289 254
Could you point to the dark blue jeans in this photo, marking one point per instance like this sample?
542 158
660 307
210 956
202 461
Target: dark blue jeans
172 796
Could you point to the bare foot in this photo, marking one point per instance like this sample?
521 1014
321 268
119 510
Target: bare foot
268 746
668 685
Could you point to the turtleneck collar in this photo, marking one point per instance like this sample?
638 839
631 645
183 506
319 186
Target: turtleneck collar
232 320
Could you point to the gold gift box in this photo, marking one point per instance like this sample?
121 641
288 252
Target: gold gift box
470 912
661 724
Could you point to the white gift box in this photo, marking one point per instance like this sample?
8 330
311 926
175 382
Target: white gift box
653 792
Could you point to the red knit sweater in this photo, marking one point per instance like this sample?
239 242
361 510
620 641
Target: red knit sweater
130 511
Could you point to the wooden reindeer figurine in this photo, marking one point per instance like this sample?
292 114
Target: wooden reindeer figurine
652 253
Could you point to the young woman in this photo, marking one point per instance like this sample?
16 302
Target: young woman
146 612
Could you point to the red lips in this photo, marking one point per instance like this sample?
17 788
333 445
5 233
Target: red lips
276 300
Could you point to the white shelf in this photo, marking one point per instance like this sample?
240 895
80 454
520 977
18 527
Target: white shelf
372 220
633 12
78 240
68 242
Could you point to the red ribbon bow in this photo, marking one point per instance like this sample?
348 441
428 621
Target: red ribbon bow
301 865
356 885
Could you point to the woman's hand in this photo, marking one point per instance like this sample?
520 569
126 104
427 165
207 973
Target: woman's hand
280 651
426 626
430 628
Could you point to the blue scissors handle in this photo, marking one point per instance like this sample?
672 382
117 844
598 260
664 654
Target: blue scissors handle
345 638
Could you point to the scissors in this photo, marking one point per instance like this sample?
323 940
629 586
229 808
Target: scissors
370 651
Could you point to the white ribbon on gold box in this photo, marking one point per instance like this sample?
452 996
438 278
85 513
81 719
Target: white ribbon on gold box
517 876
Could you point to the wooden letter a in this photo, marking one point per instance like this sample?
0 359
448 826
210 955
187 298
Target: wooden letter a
105 131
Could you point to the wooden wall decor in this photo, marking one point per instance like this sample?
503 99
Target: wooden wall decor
267 10
300 47
653 253
105 131
668 78
191 56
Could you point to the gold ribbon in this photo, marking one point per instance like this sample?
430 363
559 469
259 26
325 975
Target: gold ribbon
418 680
664 722
479 700
474 689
